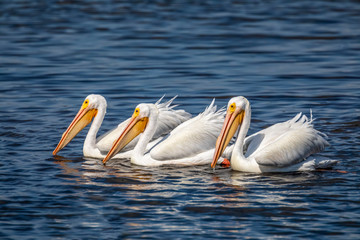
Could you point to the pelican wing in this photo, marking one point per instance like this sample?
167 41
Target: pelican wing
286 143
192 137
168 120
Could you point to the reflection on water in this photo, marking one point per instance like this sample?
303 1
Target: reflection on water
285 57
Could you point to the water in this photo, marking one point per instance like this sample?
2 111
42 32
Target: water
284 56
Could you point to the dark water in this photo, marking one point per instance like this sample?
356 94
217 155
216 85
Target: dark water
284 56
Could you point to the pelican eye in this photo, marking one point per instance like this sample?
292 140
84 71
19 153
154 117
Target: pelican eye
232 107
136 112
85 104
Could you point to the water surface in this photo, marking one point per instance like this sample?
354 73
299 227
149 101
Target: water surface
285 57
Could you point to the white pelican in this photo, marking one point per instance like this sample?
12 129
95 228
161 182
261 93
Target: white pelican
191 143
94 108
283 147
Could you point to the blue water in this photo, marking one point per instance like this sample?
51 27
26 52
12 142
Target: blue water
284 56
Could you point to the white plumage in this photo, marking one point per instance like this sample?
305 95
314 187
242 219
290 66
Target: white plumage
193 136
191 143
168 120
94 109
283 147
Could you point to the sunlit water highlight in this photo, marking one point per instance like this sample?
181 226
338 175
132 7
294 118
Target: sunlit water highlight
285 57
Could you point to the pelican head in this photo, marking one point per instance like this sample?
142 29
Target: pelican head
235 114
87 112
137 125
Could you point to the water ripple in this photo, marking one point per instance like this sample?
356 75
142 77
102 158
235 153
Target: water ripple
285 57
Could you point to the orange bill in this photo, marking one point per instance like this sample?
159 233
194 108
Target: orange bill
232 121
81 120
136 126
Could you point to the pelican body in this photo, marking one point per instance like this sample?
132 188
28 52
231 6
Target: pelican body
191 143
94 109
283 147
